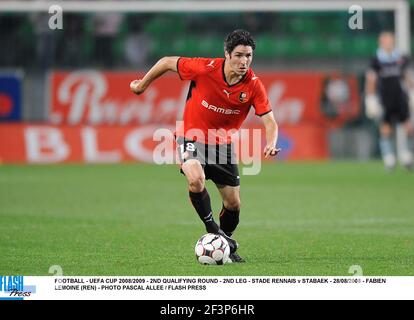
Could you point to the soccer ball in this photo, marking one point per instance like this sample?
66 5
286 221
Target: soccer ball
212 249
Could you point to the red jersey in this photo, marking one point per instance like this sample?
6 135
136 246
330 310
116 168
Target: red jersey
214 104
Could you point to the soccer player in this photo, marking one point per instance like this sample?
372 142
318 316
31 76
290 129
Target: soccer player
221 93
388 76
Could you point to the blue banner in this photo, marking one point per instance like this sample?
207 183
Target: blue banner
10 97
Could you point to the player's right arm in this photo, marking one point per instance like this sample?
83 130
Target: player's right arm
371 77
162 66
370 82
373 108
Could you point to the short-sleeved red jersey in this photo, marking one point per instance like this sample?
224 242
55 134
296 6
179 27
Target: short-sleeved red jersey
214 104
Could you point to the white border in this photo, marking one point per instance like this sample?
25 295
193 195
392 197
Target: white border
199 6
219 288
400 7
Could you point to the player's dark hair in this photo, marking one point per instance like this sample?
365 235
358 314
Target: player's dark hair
238 37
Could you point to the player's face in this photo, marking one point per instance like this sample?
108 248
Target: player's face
386 41
240 59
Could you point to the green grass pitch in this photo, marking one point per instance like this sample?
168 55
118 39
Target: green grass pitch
297 219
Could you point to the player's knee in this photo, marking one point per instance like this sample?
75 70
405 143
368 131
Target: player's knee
233 204
409 128
195 176
196 183
192 167
386 130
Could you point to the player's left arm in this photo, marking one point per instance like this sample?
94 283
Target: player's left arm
271 127
264 111
408 74
408 78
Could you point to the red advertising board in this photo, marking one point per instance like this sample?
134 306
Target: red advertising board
93 117
91 97
33 143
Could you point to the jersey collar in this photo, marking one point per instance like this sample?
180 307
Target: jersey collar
224 76
386 57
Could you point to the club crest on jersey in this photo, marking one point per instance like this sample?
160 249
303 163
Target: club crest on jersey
243 97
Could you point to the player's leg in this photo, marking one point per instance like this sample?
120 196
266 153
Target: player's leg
222 174
404 133
409 128
198 193
230 215
230 212
226 177
386 146
201 199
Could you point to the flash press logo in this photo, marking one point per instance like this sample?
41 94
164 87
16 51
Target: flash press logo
12 288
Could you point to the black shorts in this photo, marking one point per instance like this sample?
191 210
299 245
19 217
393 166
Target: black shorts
396 108
218 161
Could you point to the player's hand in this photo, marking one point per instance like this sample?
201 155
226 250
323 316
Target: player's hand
137 87
373 108
271 150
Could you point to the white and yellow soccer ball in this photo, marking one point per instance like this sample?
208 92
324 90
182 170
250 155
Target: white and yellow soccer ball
212 249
